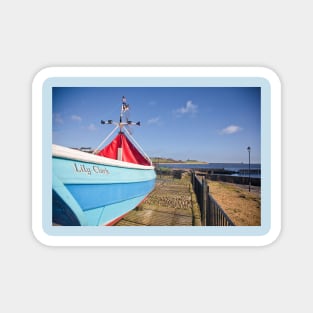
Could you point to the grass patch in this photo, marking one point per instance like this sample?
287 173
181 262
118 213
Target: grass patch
243 207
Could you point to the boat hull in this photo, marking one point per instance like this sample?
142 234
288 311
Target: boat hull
90 190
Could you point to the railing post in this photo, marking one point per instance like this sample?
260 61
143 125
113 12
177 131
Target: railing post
193 180
204 199
208 206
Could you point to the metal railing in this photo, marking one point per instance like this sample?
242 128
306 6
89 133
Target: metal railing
211 213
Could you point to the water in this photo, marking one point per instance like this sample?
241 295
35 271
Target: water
235 167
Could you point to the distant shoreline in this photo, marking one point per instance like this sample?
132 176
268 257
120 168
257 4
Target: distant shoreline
183 163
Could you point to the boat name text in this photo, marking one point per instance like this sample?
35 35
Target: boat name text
82 168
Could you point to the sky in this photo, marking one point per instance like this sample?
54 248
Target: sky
211 124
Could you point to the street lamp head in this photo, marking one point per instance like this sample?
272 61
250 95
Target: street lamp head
249 148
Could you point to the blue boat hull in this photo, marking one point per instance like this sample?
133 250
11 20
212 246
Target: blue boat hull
90 193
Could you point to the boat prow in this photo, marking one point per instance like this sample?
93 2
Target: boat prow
99 189
93 190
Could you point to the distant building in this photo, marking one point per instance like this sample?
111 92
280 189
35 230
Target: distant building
86 149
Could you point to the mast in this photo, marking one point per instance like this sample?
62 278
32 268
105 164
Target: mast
120 125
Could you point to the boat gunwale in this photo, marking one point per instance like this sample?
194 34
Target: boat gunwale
72 154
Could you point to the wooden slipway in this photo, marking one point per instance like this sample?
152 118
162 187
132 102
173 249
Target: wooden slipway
172 203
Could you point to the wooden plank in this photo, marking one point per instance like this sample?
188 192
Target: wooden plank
170 204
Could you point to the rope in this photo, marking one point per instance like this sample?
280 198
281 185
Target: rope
105 139
137 144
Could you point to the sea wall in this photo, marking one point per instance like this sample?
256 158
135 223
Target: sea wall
244 180
221 175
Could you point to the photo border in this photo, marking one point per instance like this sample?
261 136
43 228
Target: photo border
156 77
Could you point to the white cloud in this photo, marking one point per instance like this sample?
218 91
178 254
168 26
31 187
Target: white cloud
231 129
92 127
76 118
190 108
154 120
58 118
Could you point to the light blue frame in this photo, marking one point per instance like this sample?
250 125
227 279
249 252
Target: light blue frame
157 82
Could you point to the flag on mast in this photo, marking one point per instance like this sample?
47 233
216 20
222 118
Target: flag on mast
125 106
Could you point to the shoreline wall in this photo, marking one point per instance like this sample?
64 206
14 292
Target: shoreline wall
243 180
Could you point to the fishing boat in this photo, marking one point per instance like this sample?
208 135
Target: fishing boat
99 188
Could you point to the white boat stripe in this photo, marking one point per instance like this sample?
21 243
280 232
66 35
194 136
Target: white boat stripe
68 153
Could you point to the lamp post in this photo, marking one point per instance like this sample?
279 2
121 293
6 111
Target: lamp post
249 149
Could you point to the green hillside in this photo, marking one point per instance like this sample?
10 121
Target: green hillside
169 160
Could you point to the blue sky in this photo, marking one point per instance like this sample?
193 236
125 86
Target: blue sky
212 124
